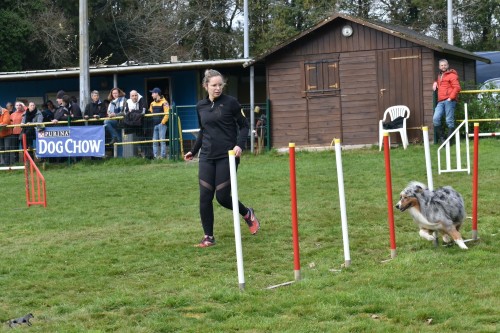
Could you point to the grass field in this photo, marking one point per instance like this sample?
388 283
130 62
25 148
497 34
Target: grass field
113 251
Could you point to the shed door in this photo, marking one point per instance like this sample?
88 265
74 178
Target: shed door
322 92
399 76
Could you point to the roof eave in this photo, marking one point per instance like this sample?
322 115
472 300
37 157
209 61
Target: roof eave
120 69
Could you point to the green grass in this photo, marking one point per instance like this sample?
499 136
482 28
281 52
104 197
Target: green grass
113 251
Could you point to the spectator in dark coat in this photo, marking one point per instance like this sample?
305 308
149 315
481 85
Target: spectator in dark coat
96 108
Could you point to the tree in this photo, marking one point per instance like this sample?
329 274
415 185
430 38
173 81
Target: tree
273 22
154 30
481 30
13 52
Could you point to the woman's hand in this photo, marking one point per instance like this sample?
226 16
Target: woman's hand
188 156
237 151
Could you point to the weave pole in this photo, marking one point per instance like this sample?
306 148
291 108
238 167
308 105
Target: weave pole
343 214
295 217
388 183
428 167
475 181
295 220
236 219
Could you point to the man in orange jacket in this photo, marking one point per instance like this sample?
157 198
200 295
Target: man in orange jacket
448 87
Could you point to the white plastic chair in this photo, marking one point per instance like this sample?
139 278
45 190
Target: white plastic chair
393 112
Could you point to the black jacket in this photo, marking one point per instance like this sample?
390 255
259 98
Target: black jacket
222 126
95 109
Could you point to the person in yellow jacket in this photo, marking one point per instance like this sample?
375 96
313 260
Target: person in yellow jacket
159 124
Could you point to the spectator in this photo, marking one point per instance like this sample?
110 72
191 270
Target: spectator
15 119
51 106
10 107
116 108
106 105
95 109
46 113
31 116
4 136
448 87
62 112
133 118
159 124
74 111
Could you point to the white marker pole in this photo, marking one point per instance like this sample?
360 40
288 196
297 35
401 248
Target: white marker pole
430 184
236 218
425 132
343 214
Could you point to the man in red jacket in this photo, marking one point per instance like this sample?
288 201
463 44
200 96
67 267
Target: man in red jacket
448 87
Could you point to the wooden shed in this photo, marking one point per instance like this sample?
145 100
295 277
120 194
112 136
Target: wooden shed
336 79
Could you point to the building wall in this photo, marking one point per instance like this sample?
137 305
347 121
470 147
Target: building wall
371 63
358 108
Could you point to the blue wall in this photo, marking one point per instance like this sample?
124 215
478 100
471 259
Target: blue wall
184 88
184 84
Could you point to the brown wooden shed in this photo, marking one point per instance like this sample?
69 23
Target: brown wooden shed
336 79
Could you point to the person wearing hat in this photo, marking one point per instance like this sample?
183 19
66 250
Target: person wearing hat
67 110
70 108
159 124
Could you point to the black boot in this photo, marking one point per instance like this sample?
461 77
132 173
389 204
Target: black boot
438 132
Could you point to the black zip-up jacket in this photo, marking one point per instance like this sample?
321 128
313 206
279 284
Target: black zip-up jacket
222 126
95 109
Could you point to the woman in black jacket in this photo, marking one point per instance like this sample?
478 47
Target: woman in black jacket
223 127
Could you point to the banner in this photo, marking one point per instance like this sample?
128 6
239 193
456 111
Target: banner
70 141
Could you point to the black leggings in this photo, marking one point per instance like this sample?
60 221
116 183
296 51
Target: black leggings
215 178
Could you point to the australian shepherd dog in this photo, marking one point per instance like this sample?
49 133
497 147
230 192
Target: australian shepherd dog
441 210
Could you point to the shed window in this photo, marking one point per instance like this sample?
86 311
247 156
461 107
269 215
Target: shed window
322 76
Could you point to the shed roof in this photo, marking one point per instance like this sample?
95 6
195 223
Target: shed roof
398 31
128 67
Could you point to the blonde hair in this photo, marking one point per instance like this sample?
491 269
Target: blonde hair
210 73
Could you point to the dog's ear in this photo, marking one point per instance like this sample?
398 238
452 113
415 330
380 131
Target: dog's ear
419 189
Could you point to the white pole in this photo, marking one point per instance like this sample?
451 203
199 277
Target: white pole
252 107
84 54
450 22
246 54
12 168
343 214
236 218
430 184
467 137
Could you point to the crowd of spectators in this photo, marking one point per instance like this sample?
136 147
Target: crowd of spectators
118 114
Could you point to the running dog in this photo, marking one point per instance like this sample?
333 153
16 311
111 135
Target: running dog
442 210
